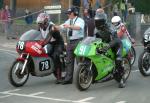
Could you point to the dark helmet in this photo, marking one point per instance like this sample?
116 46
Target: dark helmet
100 20
74 10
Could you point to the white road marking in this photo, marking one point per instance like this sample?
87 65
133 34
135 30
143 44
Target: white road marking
40 97
38 93
135 70
86 99
5 96
122 102
11 91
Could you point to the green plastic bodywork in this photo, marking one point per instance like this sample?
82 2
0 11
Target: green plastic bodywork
104 62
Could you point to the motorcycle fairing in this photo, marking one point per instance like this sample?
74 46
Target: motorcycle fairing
43 66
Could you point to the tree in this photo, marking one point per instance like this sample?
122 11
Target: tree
1 4
142 6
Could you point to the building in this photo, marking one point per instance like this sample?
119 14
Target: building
39 4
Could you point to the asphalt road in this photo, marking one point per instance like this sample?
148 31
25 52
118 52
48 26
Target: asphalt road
44 89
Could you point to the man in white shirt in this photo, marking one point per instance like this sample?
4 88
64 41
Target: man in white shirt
75 32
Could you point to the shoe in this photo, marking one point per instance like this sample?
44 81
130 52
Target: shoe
66 82
122 83
58 82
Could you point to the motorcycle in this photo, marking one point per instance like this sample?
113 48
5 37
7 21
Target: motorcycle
96 67
32 59
144 58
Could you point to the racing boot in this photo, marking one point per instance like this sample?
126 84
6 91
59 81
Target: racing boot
120 71
58 73
122 83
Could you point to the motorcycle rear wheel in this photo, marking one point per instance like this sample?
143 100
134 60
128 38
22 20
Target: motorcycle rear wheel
15 77
133 55
144 63
83 77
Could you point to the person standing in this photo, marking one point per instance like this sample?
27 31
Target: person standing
75 32
28 17
6 18
89 23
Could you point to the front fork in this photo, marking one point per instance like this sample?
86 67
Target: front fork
25 62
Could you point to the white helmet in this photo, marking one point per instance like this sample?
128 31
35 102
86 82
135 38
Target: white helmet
116 20
42 17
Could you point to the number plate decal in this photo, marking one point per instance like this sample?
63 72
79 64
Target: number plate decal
20 45
44 65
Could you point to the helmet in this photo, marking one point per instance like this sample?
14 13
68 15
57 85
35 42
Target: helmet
42 18
116 20
100 20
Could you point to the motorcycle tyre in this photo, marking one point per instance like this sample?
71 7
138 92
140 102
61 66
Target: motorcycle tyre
76 78
134 55
11 80
140 62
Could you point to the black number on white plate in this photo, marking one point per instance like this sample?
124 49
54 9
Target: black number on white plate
44 65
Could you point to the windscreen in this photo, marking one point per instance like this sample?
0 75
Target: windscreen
89 40
31 35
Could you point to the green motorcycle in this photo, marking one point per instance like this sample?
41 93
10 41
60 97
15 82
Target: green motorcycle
93 67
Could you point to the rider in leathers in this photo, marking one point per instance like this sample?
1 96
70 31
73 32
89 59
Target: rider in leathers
53 42
108 35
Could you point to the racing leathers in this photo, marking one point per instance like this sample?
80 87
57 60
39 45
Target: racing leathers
54 45
108 35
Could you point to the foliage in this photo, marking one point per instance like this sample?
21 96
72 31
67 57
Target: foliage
1 4
142 6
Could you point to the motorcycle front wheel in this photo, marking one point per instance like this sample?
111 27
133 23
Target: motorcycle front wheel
144 63
15 77
83 77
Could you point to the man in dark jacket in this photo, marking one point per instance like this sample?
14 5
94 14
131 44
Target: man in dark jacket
109 36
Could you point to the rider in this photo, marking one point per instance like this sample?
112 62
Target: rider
53 42
108 35
121 28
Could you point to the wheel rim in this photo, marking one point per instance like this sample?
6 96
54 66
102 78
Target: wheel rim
16 73
146 63
85 77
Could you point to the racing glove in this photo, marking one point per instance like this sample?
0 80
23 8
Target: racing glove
103 50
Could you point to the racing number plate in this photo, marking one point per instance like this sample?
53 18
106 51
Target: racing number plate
21 45
44 65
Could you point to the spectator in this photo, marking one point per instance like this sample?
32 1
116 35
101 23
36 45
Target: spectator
28 17
123 10
77 4
85 4
75 32
115 10
1 13
6 18
89 23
